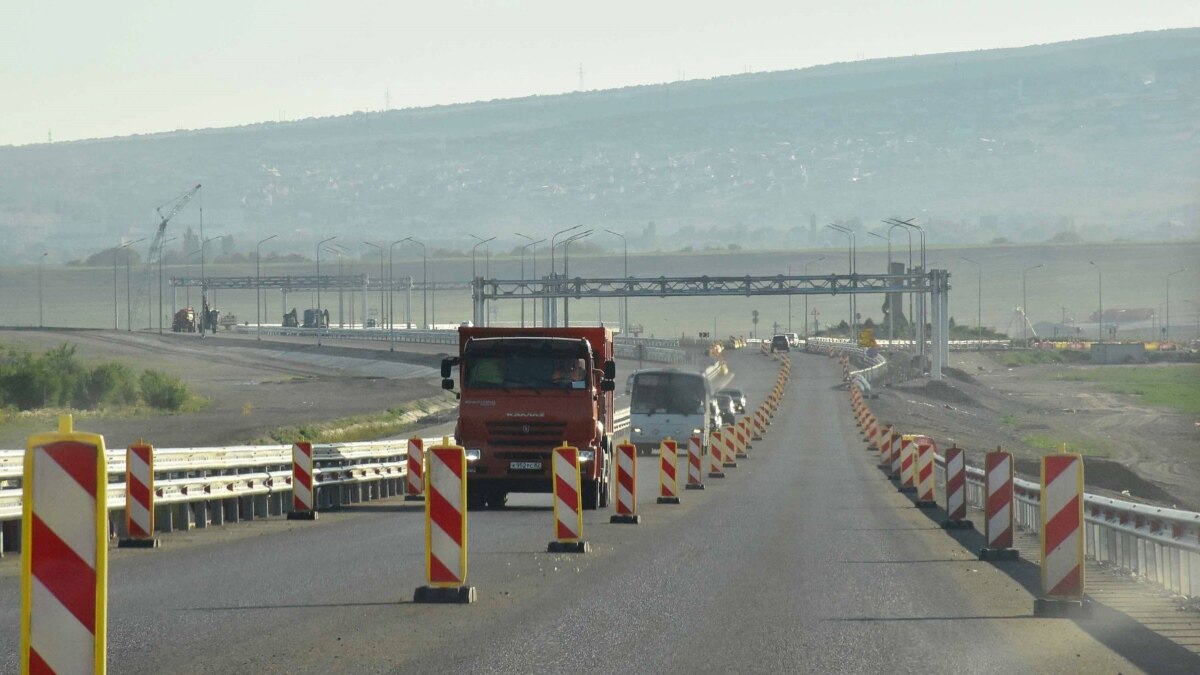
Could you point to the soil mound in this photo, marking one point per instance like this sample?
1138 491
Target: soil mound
960 375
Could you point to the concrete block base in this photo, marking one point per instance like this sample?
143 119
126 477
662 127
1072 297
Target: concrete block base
668 500
414 498
454 595
999 554
302 515
694 486
1063 608
625 519
138 543
568 547
957 525
716 474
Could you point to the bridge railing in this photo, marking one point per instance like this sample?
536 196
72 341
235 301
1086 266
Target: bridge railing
873 366
186 475
1155 543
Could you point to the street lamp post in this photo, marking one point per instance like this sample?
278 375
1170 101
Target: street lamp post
128 317
533 245
891 307
625 300
554 316
40 261
161 244
425 316
1025 303
482 320
918 323
1099 298
978 300
566 261
258 285
530 239
850 251
1167 328
380 324
319 315
814 260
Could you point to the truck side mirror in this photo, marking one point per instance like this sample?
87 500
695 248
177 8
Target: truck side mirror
447 364
448 384
608 385
610 370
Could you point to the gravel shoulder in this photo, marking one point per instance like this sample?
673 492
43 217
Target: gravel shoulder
1131 450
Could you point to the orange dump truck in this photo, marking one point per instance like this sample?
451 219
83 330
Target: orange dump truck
524 391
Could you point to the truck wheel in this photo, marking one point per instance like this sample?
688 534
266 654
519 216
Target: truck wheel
475 499
591 494
496 500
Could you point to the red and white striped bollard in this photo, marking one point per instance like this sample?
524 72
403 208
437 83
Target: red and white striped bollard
446 527
956 490
1061 508
415 481
139 497
64 553
716 451
568 502
668 481
626 502
924 449
304 491
998 507
695 464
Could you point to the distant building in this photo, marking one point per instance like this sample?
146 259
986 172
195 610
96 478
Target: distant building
1111 353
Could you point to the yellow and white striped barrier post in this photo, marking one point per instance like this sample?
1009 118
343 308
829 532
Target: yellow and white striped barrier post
716 468
568 502
64 559
1061 507
446 527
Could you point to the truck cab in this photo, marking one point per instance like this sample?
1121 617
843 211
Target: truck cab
524 392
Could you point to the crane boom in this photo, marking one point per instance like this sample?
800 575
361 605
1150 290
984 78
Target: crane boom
175 204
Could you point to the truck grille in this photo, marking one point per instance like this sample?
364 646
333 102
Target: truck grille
526 433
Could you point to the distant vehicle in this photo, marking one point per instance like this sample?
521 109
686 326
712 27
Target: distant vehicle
227 321
793 339
311 317
780 343
184 321
715 419
738 396
668 402
290 320
727 406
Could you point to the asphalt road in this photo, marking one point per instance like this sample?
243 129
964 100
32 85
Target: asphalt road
804 559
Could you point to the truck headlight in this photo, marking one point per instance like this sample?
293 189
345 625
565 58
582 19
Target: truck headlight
587 455
697 431
473 454
637 430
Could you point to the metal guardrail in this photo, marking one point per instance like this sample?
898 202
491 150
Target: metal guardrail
440 337
656 354
874 366
1155 543
185 475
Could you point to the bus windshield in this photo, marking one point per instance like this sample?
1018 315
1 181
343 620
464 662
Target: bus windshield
668 393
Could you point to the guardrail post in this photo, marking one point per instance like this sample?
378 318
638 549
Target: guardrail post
446 527
64 566
668 480
568 502
626 502
998 507
1061 518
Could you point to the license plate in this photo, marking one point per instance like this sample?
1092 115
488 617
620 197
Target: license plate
525 466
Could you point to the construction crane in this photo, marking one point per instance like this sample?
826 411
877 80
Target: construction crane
175 205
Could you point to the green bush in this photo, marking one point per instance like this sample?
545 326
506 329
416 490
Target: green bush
161 390
54 379
108 384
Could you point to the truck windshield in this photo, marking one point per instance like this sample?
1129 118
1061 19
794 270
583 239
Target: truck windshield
668 393
525 371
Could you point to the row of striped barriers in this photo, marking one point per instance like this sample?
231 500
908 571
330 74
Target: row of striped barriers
909 460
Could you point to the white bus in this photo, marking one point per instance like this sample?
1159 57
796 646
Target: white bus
666 403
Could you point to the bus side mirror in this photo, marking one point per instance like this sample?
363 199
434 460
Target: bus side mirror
608 385
447 364
610 370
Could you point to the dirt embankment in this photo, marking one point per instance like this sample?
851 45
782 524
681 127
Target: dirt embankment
251 387
1130 450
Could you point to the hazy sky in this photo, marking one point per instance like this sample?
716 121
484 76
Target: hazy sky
94 69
